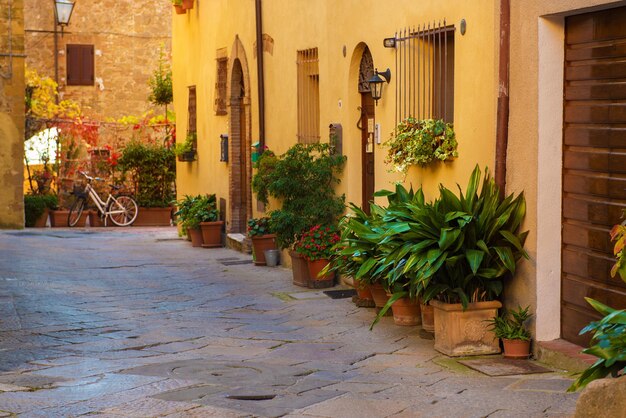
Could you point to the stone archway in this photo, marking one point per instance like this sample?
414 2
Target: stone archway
240 167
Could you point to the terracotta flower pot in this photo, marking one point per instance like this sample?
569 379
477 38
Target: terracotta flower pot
300 269
428 317
195 235
316 266
58 218
211 234
259 245
461 332
379 295
95 221
153 217
516 349
406 312
41 221
363 291
187 4
180 10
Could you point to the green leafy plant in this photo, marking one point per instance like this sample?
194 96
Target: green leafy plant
177 2
192 210
36 204
303 181
188 146
161 92
258 227
317 243
152 172
609 333
420 142
510 324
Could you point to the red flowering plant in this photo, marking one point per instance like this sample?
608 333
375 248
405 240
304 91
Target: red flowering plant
317 243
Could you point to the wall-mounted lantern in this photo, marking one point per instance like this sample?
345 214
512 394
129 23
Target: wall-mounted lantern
63 12
376 83
224 147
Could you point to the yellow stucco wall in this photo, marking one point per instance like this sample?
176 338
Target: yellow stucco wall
330 26
12 116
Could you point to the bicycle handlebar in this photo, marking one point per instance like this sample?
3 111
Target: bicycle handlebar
89 178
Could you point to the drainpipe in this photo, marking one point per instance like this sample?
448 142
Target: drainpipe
259 63
502 127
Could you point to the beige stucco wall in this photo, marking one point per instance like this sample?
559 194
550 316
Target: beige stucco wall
126 36
330 26
534 155
11 115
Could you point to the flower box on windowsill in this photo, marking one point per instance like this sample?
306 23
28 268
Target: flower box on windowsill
188 157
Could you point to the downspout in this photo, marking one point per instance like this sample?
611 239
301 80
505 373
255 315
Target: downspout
261 82
502 118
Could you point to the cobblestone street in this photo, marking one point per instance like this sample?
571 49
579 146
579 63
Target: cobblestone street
137 323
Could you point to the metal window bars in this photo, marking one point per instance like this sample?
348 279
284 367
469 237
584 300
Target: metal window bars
424 59
308 96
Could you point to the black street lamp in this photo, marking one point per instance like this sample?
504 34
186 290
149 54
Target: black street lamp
376 83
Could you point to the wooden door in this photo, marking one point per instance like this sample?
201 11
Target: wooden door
594 164
367 150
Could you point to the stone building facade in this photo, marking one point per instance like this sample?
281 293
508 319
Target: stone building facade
126 38
11 113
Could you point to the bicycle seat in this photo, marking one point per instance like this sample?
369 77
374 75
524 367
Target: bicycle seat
115 187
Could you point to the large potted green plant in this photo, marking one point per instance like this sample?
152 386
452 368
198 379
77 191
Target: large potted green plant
460 250
151 169
205 212
260 233
303 183
185 216
37 208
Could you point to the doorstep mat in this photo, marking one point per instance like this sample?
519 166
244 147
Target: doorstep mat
340 294
504 367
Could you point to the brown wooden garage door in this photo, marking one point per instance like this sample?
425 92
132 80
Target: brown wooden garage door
594 164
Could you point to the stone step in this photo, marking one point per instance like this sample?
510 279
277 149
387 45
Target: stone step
239 242
564 355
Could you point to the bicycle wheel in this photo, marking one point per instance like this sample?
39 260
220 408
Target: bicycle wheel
123 210
76 211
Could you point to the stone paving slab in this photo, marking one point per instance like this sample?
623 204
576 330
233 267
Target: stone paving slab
131 322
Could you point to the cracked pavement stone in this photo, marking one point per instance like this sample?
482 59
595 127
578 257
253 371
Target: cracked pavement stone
123 322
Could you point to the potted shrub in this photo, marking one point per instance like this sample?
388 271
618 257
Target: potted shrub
460 250
186 151
205 212
316 246
608 343
189 224
178 6
151 169
303 182
510 328
262 239
37 208
420 142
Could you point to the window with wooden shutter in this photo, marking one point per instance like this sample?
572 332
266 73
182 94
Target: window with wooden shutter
191 108
308 96
221 87
80 65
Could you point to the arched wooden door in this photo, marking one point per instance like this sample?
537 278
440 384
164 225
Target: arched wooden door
367 126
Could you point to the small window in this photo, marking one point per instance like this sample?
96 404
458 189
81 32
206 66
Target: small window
80 65
191 108
308 96
221 87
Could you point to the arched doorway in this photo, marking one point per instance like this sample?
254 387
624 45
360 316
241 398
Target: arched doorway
240 170
367 127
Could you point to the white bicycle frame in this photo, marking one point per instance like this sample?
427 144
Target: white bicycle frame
101 204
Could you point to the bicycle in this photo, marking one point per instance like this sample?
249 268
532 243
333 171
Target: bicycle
122 210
